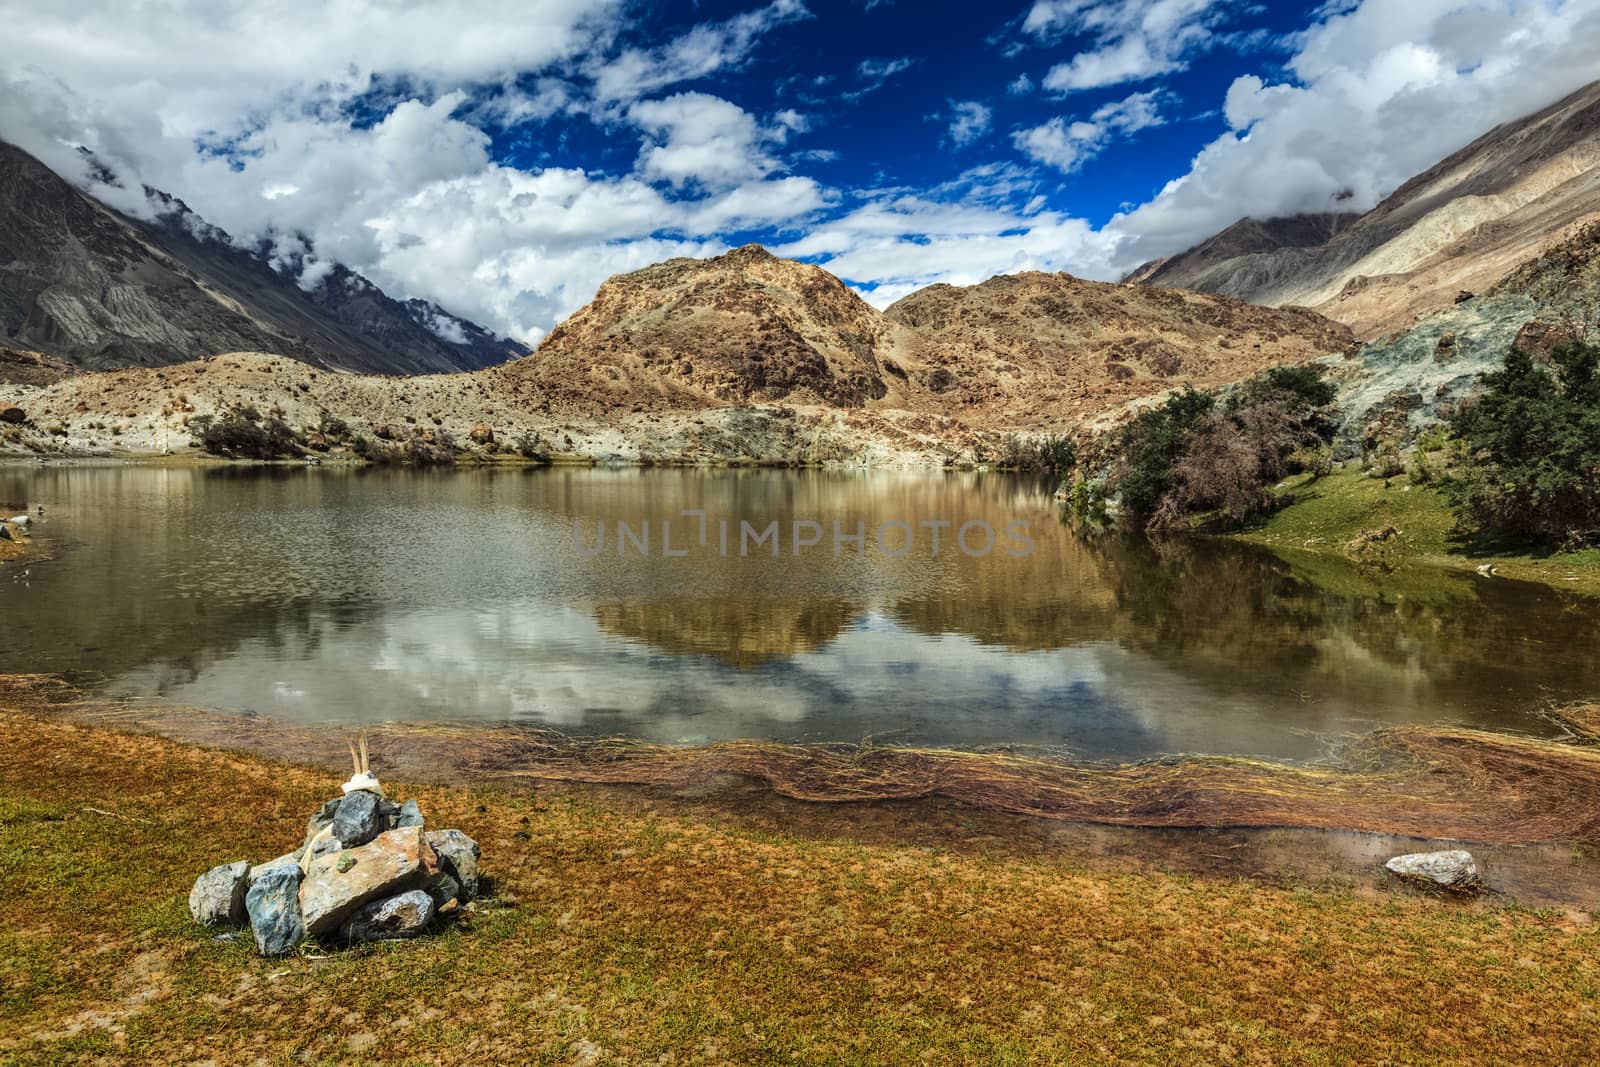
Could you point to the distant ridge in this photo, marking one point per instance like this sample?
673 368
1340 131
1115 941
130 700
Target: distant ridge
102 290
1458 226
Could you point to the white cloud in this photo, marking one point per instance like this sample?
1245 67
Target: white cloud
706 49
1134 40
969 120
1380 92
701 138
962 232
413 200
1068 145
411 194
873 74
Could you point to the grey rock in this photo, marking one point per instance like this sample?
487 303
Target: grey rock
459 854
1452 868
5 533
443 889
388 813
335 886
13 416
410 814
357 820
218 895
404 915
288 859
274 907
322 819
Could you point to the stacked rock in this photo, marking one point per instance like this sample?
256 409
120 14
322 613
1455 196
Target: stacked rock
368 870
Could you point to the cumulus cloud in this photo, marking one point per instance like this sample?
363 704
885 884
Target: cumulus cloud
701 138
1068 145
969 120
1377 92
1134 40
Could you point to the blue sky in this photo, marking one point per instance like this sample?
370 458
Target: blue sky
503 158
880 86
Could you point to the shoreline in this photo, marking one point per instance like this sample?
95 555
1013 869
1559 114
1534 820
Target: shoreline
1419 783
1332 516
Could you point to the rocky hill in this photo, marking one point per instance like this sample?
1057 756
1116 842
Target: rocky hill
1018 351
1035 350
744 327
1458 227
102 289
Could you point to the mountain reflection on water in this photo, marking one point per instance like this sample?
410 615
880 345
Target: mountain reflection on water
356 595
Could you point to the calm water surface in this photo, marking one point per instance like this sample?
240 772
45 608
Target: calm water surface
349 596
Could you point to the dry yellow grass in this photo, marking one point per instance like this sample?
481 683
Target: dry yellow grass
615 933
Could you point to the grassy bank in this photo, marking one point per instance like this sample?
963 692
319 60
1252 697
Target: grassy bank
621 934
1329 513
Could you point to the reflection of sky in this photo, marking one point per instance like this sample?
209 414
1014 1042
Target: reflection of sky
329 595
554 666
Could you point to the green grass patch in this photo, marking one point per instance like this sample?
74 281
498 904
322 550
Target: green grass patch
1325 515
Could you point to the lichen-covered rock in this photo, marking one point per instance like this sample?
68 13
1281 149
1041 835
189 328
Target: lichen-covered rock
1453 868
338 884
218 895
458 854
357 819
403 915
273 905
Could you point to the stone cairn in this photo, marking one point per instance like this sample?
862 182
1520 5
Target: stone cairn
368 870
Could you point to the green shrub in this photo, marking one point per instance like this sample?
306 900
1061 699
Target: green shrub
1532 445
1191 456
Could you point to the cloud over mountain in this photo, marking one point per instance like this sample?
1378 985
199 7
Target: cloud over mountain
504 159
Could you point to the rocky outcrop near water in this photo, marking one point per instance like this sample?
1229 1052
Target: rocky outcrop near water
1403 382
368 869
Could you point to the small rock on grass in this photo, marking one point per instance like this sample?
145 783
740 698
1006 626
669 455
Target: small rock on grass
218 895
1452 869
274 907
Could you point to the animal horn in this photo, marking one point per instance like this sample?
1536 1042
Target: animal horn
355 759
366 762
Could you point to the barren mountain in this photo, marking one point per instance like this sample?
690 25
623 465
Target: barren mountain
102 289
743 327
1027 350
1459 226
1247 237
1031 350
